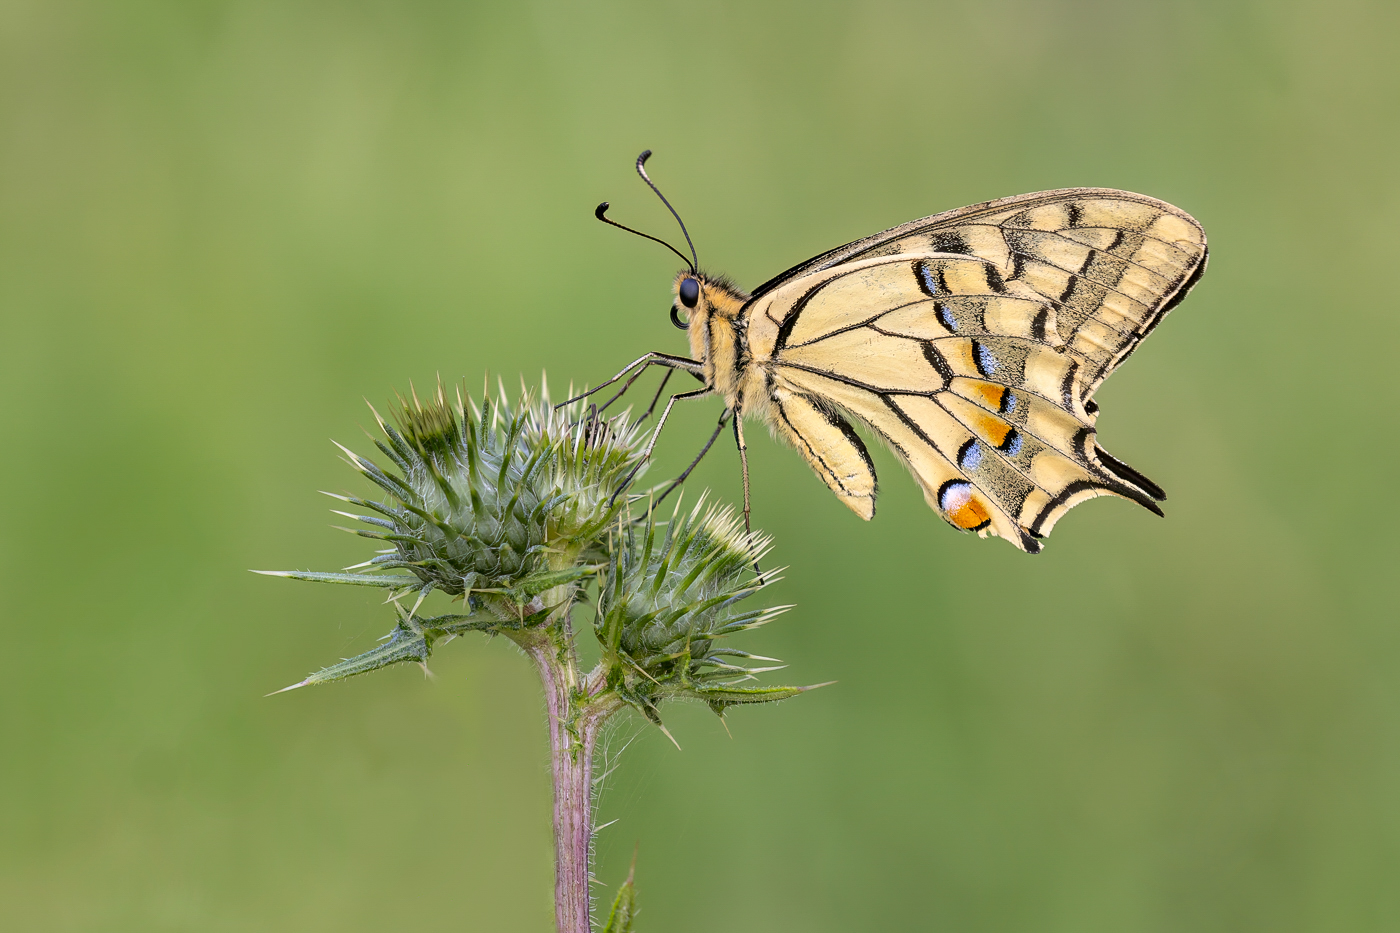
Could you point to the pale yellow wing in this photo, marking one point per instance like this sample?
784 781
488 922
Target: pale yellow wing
831 446
972 343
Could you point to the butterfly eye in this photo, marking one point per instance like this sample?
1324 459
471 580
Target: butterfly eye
690 292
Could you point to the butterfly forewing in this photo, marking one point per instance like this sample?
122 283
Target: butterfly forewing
972 342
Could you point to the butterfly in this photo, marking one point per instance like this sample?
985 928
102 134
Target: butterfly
970 342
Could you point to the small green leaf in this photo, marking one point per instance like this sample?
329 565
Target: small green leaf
460 624
355 579
721 697
537 583
411 640
624 908
403 644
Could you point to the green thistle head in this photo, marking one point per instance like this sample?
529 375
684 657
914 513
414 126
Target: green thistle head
490 497
512 510
666 606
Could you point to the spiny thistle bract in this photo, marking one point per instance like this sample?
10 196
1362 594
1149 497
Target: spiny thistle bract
511 509
665 605
491 500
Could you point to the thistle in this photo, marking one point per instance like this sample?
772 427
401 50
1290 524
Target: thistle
519 514
666 605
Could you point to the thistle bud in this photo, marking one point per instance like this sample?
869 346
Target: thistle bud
670 597
488 497
504 507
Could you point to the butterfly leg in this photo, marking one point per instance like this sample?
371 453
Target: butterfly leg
661 423
628 384
654 399
744 466
694 367
657 397
698 457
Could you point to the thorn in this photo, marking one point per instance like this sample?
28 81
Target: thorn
664 731
641 670
355 460
378 419
632 869
285 689
724 722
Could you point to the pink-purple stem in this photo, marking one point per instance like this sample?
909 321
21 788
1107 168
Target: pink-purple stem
571 757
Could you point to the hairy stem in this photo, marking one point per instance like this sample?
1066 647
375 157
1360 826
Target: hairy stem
573 731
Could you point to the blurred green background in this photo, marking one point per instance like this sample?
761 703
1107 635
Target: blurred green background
223 224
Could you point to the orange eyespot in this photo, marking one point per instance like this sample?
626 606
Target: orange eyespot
961 507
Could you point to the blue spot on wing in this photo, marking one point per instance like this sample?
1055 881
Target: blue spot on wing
986 361
971 457
930 282
945 317
1014 443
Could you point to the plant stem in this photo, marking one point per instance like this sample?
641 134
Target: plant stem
573 731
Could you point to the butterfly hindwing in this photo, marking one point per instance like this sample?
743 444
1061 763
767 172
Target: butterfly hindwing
928 440
831 446
972 342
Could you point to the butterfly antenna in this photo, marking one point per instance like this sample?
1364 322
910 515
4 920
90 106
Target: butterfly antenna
602 209
642 171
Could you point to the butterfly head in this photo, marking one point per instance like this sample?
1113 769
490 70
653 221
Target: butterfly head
696 298
687 287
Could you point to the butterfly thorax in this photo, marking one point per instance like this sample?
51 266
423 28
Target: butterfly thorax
716 334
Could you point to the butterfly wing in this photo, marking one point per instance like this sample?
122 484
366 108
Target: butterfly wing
972 343
1112 262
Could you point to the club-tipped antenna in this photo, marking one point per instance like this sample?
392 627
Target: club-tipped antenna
602 209
642 171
